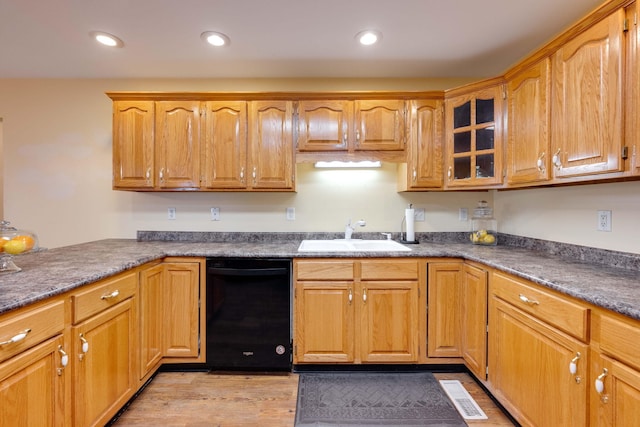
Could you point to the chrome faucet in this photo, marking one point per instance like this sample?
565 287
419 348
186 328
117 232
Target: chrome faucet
348 231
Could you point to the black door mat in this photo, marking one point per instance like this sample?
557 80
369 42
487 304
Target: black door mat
390 399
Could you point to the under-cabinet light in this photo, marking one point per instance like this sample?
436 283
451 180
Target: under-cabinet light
342 165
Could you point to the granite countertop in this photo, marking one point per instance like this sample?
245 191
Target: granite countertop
52 272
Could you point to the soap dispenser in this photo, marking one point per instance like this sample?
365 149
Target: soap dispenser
484 227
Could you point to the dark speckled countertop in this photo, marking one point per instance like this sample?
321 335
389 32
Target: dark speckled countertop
52 272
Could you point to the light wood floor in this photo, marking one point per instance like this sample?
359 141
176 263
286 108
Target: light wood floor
199 399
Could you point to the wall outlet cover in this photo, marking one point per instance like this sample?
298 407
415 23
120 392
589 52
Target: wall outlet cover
604 220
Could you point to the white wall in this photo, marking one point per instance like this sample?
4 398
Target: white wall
57 178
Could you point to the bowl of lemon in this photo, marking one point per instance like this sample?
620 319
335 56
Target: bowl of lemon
14 242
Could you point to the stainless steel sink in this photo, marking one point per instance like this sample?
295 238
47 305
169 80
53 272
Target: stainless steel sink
352 245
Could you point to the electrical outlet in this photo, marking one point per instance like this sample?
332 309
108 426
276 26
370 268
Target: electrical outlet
291 214
604 220
463 214
171 213
418 214
215 214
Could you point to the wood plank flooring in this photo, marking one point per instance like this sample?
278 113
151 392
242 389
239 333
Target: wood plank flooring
199 399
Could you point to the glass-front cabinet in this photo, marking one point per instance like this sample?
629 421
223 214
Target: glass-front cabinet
474 138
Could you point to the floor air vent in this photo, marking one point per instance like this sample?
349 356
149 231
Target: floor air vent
462 400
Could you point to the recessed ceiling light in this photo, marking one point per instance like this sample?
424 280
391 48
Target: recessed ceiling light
369 37
106 39
214 38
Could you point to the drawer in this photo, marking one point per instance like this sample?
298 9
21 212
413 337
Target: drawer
566 315
23 330
323 270
620 339
389 270
103 295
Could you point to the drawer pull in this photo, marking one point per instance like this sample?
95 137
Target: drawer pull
526 300
113 294
17 338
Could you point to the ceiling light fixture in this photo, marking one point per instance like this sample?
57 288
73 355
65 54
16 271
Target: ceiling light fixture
349 165
106 39
369 37
215 39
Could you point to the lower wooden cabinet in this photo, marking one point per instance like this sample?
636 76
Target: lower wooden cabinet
530 360
151 284
444 338
104 363
357 311
32 387
474 319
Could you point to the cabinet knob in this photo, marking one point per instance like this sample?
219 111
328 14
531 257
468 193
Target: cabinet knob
64 360
573 366
599 384
414 175
557 162
449 172
540 162
364 295
350 295
242 174
85 346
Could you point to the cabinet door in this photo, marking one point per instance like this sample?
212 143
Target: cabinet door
32 387
380 125
133 144
105 376
324 125
389 321
444 318
271 145
528 144
225 145
324 322
618 402
425 145
586 106
529 369
180 309
151 318
178 144
474 138
474 320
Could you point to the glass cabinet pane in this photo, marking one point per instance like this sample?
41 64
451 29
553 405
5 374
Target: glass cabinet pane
462 168
462 142
484 139
484 166
484 110
462 115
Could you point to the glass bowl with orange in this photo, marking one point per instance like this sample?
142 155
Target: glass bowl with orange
14 242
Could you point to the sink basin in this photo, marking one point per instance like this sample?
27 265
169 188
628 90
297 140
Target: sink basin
353 245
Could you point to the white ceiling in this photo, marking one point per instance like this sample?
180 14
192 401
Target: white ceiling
277 38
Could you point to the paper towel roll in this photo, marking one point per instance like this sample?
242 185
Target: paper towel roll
409 217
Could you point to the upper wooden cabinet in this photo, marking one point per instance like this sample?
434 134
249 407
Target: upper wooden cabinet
192 144
423 169
474 136
632 91
351 126
133 144
271 145
178 144
528 132
587 126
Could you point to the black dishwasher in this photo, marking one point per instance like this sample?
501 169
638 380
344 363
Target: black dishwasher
248 314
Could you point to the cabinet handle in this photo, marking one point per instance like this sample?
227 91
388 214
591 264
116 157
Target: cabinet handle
599 384
573 368
254 174
540 162
85 346
147 175
161 174
364 295
64 360
415 174
242 174
526 300
113 294
357 136
344 138
17 338
557 162
449 173
350 295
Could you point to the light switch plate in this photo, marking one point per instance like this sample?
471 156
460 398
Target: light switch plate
418 214
291 214
215 214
